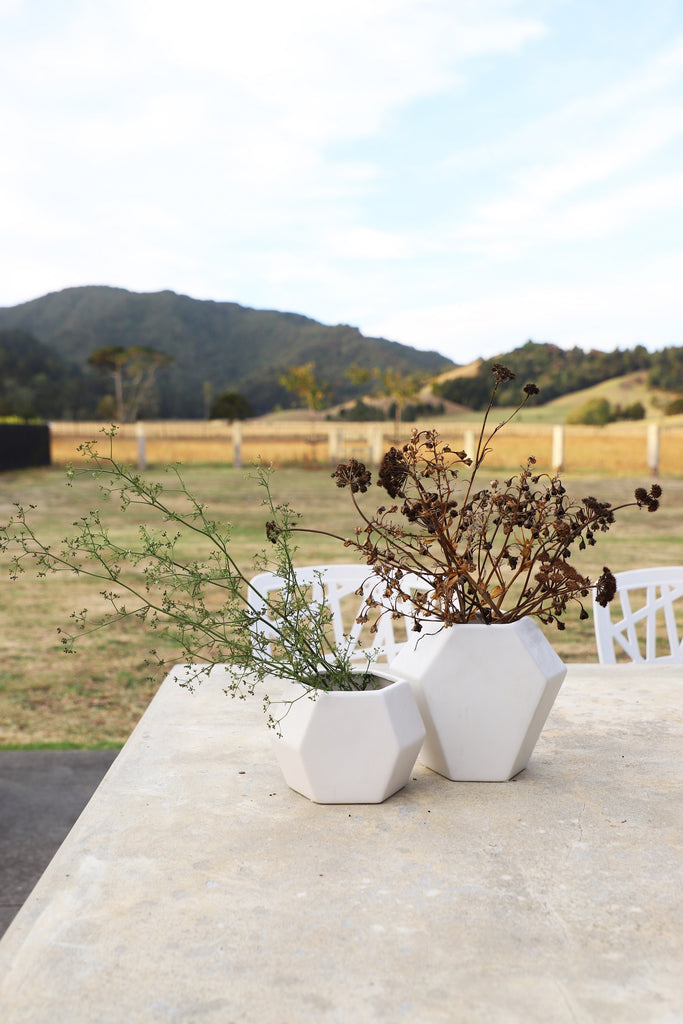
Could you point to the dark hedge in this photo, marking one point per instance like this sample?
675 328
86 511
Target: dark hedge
23 445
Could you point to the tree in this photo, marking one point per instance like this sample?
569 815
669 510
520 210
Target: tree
35 381
594 412
230 406
635 411
400 387
133 371
674 407
554 370
599 411
666 370
303 382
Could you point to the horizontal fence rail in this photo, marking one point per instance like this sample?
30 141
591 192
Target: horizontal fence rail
621 448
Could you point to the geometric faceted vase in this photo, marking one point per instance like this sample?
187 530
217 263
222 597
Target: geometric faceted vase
484 693
349 747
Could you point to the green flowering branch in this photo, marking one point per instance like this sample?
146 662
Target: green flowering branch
203 605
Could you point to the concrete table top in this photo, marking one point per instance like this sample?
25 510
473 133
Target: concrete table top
196 887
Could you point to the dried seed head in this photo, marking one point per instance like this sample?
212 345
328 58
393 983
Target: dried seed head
273 531
605 588
502 373
393 473
352 474
649 501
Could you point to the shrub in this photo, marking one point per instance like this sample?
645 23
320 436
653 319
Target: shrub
674 407
23 445
595 412
230 406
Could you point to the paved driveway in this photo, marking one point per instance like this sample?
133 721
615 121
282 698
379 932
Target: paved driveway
42 793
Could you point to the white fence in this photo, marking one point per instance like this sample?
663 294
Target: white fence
651 446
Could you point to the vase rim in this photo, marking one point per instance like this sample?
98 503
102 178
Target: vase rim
389 679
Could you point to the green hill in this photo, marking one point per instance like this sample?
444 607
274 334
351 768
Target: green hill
220 344
556 371
569 378
621 392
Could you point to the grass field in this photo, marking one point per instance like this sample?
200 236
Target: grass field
94 698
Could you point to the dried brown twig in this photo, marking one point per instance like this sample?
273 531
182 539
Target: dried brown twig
484 554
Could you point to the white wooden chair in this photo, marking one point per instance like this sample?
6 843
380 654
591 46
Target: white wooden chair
647 598
339 584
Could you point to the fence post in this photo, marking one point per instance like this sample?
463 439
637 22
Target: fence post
558 448
653 438
375 444
469 444
142 445
335 444
237 444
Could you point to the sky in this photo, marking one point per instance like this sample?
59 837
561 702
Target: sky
456 175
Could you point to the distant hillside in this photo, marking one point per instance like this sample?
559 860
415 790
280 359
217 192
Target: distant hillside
618 391
556 371
219 344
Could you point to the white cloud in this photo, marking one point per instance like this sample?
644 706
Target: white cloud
296 156
322 71
223 119
510 228
570 176
368 244
641 306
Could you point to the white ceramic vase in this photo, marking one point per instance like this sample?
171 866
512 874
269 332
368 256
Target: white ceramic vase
349 747
484 693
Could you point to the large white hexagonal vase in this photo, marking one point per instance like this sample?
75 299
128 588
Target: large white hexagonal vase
484 693
349 747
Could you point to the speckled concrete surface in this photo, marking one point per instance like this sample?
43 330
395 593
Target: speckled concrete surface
197 887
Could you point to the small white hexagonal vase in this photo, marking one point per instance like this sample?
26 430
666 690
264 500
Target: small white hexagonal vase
350 747
484 693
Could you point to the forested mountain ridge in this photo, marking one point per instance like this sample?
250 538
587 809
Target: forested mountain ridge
557 372
214 345
35 382
45 345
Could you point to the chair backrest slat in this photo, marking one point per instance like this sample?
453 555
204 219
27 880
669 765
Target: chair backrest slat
338 585
662 587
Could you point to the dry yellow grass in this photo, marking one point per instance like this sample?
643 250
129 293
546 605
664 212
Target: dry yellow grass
193 441
97 696
617 449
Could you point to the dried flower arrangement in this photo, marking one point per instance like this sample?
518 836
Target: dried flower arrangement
489 554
